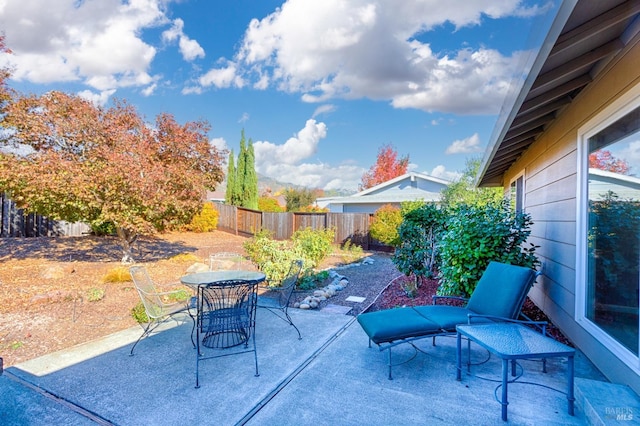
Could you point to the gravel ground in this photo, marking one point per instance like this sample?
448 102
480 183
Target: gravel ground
365 280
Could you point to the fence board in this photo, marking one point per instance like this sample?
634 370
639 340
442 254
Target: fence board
15 223
348 226
280 224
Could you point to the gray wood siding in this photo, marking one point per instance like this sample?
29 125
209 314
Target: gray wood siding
550 170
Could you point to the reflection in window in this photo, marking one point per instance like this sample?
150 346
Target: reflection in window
614 231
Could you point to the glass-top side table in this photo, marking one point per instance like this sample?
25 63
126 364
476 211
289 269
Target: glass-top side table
511 341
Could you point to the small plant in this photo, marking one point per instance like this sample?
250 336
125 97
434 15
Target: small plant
350 252
118 274
185 258
95 294
178 296
139 314
206 220
15 345
310 280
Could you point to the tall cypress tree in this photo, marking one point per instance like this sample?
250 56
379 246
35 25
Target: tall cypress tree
231 181
251 179
239 191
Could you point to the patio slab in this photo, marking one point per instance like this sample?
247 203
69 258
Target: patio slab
328 377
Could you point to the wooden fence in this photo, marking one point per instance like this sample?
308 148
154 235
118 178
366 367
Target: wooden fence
15 223
348 226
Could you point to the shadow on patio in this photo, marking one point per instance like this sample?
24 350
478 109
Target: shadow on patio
328 377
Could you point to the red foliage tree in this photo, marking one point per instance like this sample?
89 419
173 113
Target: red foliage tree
74 161
388 166
604 160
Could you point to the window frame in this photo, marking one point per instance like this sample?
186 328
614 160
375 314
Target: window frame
605 118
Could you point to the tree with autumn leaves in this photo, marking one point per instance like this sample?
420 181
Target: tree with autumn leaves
387 167
65 158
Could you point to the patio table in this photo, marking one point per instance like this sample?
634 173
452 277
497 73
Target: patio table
511 341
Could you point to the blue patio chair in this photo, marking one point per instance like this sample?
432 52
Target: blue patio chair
499 296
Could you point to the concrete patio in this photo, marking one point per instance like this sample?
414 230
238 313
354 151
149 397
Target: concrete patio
328 377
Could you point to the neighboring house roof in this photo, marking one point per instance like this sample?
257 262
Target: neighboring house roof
408 187
585 36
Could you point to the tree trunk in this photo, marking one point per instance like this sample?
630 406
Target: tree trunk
127 238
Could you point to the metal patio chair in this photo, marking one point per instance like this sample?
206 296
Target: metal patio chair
276 299
226 319
155 306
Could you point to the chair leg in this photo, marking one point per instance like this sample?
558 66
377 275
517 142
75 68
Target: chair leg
147 330
294 326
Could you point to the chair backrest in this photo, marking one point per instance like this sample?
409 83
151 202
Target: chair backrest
502 290
288 284
147 290
226 261
226 312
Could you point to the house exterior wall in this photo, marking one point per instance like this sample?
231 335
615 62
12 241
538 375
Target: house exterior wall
365 208
550 170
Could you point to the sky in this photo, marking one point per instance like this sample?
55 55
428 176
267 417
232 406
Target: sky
318 86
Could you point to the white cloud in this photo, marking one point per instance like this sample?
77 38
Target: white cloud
98 99
286 162
295 149
97 43
465 146
244 118
190 49
222 77
369 49
440 171
219 143
323 109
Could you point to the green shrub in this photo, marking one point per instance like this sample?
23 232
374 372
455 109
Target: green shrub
139 314
269 204
310 280
272 257
476 235
384 226
419 233
350 252
315 245
103 228
206 220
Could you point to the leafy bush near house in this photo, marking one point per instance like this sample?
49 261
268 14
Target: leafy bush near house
418 234
476 235
206 220
385 224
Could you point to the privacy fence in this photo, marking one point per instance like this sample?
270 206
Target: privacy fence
348 226
15 223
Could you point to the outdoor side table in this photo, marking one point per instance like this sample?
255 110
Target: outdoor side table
510 342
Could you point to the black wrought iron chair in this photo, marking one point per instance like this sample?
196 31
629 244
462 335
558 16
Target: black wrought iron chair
226 318
276 299
155 303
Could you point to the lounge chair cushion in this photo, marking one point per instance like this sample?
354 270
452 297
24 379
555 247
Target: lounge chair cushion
501 290
395 324
446 317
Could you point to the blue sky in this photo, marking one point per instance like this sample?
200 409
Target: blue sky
319 86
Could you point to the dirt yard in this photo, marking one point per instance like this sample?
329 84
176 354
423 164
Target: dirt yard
53 294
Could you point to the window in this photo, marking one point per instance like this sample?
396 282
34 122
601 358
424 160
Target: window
610 246
516 194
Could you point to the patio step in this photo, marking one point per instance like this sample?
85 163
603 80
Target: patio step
595 399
